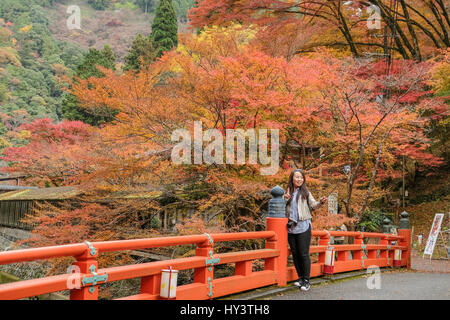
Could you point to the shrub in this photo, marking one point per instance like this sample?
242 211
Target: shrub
372 221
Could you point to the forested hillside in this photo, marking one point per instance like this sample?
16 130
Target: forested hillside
39 53
31 63
117 25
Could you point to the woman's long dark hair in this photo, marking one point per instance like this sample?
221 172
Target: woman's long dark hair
303 191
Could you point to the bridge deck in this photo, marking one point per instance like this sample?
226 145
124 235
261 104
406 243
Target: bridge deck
409 285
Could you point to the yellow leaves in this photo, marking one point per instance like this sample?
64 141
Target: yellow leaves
5 34
74 34
440 75
216 41
182 49
37 100
60 69
4 143
26 29
235 31
25 134
9 55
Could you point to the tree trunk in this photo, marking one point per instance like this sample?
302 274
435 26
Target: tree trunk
444 11
374 174
346 31
393 25
303 155
427 32
439 20
417 54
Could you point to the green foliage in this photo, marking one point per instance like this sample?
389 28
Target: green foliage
4 34
109 57
372 221
125 5
49 3
3 92
94 58
3 129
181 7
142 48
13 10
88 68
155 222
165 28
71 55
28 53
100 4
436 195
439 131
146 5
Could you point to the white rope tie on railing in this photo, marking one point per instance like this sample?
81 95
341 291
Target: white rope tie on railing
329 237
209 237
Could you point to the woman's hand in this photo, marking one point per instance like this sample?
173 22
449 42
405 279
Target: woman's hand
323 200
287 195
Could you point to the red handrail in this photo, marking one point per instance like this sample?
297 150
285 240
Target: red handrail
75 250
204 286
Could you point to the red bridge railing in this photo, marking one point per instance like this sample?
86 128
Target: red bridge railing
83 285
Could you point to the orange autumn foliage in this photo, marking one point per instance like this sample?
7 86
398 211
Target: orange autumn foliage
223 79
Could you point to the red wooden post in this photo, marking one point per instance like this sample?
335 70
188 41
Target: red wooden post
405 231
85 264
324 241
279 264
151 284
358 254
406 241
342 255
243 268
391 253
276 221
205 274
384 252
372 254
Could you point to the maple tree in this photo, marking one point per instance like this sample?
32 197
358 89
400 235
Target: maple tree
220 78
412 27
356 104
285 99
374 119
50 147
355 112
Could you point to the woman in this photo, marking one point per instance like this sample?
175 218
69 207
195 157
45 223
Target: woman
300 203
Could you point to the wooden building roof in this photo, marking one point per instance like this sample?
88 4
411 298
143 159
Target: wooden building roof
6 177
8 188
65 193
59 193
